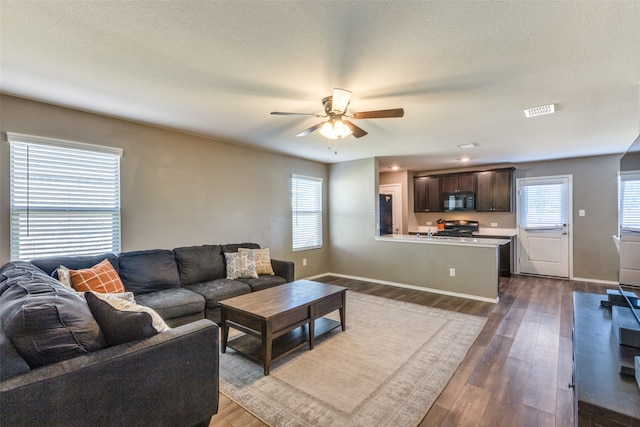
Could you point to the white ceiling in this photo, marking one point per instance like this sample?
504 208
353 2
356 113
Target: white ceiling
463 71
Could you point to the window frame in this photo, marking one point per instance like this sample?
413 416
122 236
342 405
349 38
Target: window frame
59 205
633 225
298 213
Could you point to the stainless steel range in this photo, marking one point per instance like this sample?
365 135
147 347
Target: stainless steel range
459 228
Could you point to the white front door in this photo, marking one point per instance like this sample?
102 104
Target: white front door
396 200
544 212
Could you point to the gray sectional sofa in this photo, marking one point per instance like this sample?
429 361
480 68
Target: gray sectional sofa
183 284
167 379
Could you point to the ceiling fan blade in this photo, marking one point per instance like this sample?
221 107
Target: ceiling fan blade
355 130
281 113
379 114
341 99
311 129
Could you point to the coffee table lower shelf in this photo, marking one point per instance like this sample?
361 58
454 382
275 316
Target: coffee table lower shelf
251 346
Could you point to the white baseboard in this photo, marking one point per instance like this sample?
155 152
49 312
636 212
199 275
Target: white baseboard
604 282
403 285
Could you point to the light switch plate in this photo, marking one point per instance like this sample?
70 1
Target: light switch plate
494 224
581 212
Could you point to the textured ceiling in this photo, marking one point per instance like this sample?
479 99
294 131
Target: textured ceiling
463 72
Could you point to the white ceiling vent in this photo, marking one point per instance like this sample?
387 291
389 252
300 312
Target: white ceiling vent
540 111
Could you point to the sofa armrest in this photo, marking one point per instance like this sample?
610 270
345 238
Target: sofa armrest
283 269
166 380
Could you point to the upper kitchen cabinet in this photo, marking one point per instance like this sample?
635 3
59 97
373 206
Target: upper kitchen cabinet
426 194
494 190
458 183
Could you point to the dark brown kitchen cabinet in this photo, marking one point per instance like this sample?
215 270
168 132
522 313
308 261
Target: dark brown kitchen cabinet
494 190
458 183
426 194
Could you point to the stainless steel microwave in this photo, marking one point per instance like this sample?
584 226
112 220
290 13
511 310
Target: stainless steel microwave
459 201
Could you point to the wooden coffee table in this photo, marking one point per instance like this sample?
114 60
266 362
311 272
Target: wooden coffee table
279 320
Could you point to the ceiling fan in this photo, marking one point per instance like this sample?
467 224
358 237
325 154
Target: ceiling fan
335 108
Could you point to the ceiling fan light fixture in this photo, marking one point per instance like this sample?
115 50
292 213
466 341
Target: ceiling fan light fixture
341 98
334 129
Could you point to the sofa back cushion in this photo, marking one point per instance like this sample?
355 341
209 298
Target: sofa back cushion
233 247
197 264
45 321
149 271
50 264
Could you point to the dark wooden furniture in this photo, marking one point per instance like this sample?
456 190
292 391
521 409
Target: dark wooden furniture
602 396
494 190
458 183
504 256
426 194
281 319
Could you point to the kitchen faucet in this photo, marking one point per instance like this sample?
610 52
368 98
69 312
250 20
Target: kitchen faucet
429 233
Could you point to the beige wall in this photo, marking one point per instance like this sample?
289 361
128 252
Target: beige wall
595 189
177 189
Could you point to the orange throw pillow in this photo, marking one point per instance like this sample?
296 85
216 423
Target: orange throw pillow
102 278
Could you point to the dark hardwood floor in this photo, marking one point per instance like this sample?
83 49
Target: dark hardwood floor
516 373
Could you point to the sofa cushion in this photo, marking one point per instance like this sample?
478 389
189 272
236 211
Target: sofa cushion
263 282
45 321
50 264
199 264
173 303
149 271
263 260
102 277
218 290
123 321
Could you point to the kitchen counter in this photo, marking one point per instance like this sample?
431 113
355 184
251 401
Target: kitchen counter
441 240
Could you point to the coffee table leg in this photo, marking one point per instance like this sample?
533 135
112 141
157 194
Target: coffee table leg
312 327
225 330
343 311
267 342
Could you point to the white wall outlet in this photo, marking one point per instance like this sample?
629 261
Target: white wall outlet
429 222
494 224
304 262
452 272
581 212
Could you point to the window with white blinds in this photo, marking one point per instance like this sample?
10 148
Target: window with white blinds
65 197
629 199
543 205
306 212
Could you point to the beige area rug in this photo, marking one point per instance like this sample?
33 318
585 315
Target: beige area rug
386 369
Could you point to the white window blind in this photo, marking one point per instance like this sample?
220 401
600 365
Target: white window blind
306 212
64 197
629 199
543 205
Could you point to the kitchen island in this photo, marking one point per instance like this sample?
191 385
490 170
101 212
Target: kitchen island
458 266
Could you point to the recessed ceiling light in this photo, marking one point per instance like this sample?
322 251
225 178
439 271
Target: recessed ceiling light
395 168
464 159
540 111
465 146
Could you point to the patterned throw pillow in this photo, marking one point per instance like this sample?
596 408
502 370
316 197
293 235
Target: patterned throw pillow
64 276
122 321
102 278
263 260
241 265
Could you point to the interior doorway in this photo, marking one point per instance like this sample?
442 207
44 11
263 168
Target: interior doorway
396 191
544 207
